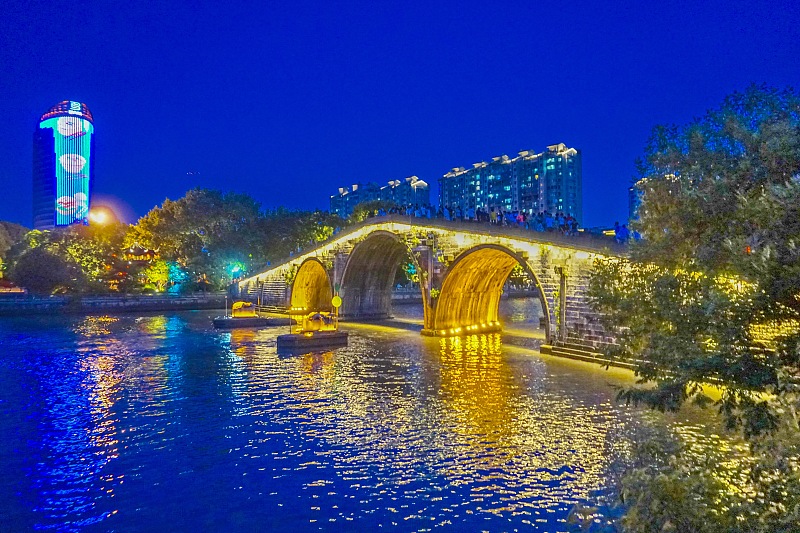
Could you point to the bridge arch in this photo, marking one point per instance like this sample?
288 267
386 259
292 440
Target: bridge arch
469 299
368 277
311 287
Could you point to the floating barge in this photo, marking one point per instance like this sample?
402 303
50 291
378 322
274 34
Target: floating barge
317 332
311 341
243 315
228 322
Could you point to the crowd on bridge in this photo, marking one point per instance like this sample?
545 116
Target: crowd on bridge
622 234
543 221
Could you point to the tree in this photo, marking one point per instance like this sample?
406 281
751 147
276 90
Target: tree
369 209
93 250
158 274
207 232
203 231
10 234
712 292
43 272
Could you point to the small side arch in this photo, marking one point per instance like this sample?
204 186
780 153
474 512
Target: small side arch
311 287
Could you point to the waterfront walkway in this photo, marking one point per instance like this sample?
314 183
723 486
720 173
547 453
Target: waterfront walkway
33 305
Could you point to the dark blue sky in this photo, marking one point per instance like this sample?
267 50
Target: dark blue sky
287 101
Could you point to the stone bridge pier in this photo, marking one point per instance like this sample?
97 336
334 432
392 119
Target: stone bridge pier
462 269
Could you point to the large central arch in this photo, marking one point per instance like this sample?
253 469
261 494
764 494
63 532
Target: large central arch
368 277
470 296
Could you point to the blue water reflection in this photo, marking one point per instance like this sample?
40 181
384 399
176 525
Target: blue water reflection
160 422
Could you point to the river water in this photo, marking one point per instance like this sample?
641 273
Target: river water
159 422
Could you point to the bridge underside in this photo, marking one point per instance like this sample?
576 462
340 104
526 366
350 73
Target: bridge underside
368 279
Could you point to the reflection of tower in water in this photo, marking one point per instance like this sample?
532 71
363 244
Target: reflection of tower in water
79 433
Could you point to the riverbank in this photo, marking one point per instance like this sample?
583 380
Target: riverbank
34 305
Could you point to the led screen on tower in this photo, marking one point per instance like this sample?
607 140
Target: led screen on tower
72 135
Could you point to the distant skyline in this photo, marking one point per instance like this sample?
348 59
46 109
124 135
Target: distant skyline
287 101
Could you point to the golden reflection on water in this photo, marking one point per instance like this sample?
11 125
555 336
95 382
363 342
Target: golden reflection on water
93 326
82 383
316 363
101 381
477 385
399 403
105 366
240 339
531 433
153 325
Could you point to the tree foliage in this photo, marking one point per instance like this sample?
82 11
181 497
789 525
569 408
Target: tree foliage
712 292
89 253
198 237
158 274
43 272
370 208
206 231
689 482
10 234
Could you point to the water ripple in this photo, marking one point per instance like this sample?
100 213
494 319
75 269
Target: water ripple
156 422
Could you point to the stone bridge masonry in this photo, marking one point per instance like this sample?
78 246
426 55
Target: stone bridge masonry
462 268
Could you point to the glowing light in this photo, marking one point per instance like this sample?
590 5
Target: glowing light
98 217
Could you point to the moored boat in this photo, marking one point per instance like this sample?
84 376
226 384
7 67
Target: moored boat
311 341
222 322
243 315
317 331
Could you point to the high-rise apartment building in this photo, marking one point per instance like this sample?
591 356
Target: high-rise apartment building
63 145
547 181
404 192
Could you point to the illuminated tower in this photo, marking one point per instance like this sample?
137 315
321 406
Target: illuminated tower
63 146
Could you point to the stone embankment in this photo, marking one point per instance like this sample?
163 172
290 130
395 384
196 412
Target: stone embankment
32 305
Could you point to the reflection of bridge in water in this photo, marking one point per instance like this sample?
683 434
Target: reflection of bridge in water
462 268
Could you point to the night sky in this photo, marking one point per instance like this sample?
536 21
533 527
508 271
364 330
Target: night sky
288 101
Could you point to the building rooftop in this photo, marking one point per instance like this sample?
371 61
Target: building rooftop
68 108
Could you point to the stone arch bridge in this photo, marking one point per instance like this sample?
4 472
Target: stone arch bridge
462 268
